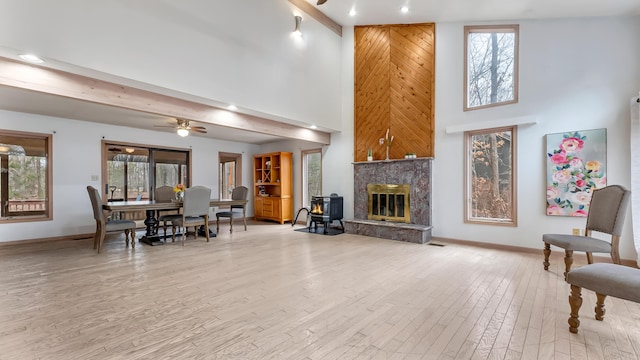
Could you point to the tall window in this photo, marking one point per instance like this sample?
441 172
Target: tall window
25 176
490 176
230 173
491 66
311 174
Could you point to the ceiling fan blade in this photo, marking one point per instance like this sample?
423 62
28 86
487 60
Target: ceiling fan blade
199 129
320 2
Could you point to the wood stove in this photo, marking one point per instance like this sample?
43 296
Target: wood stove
326 209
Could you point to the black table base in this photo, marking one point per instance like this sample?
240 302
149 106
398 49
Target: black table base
151 236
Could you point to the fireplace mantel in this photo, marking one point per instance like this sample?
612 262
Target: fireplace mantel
390 161
415 172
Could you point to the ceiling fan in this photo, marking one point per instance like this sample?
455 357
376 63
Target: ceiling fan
183 127
320 2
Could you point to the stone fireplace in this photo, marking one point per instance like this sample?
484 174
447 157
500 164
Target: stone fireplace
416 175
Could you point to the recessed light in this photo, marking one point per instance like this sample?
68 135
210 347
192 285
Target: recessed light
352 12
31 58
404 9
313 127
232 107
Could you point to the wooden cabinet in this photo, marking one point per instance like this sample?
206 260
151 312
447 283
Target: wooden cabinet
273 186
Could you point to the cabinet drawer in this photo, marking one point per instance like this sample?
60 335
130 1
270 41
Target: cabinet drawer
267 207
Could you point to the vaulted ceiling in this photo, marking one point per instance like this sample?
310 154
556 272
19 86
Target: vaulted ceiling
366 12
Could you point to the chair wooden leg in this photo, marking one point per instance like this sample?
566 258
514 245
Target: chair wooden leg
568 261
126 237
615 253
206 227
547 252
575 302
600 311
231 223
244 219
133 238
173 233
96 237
590 258
217 224
164 230
101 239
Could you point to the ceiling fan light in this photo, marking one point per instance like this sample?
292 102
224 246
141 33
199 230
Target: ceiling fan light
183 132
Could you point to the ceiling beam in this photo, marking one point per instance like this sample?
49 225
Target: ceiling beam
318 15
50 81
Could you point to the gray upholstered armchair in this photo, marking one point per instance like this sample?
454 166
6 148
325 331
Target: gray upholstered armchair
165 194
195 212
236 211
606 215
103 225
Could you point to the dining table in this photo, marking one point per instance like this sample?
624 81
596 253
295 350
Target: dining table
151 237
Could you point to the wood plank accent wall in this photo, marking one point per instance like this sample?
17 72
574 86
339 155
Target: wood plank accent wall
394 89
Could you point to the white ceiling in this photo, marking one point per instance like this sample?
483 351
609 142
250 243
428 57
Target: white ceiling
370 12
367 12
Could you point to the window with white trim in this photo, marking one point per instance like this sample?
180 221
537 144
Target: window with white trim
490 181
490 66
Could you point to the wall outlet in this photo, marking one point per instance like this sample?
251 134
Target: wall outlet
576 231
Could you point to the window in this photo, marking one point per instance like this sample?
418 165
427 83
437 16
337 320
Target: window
230 173
311 175
132 171
25 176
490 176
491 66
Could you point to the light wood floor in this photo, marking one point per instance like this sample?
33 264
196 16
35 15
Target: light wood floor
273 293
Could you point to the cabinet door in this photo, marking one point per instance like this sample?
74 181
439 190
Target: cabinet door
276 211
257 207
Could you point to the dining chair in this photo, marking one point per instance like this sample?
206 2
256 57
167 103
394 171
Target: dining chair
607 209
165 194
103 225
195 212
238 193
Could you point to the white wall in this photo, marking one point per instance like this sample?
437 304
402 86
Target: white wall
227 51
575 74
337 158
76 157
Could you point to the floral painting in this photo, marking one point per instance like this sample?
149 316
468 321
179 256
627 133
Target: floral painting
576 165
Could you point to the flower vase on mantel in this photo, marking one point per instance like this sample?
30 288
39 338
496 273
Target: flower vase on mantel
370 155
180 196
387 141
